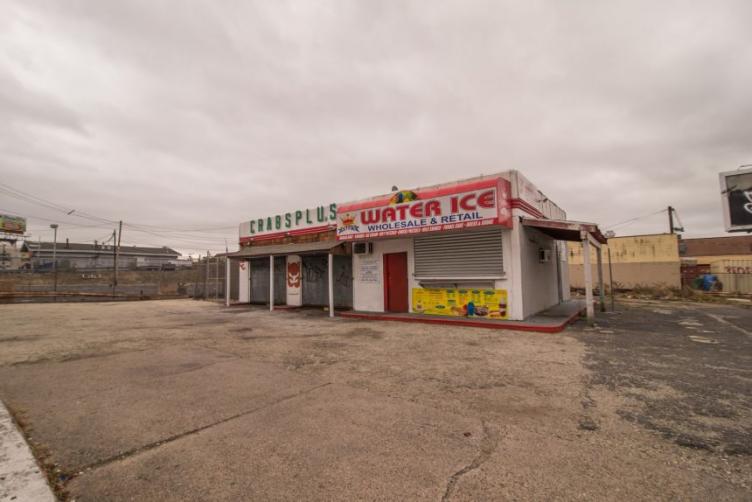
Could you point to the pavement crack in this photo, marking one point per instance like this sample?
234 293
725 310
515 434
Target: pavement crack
150 446
488 444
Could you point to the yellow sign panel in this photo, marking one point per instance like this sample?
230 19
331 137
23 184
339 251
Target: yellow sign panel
487 303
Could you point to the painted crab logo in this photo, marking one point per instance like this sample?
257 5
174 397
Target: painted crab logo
403 196
348 224
293 274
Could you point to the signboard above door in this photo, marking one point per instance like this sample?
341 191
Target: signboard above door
300 221
407 212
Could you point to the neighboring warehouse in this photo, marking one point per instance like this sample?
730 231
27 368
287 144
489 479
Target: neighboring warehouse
91 257
490 247
728 258
718 252
666 260
636 260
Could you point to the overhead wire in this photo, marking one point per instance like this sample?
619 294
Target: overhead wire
631 220
75 225
159 231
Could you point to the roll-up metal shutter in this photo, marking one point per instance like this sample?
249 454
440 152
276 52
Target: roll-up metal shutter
464 255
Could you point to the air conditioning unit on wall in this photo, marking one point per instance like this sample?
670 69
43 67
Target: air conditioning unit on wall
544 255
363 248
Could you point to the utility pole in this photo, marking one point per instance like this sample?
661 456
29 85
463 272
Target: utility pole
611 280
196 278
117 253
114 261
670 219
54 254
216 278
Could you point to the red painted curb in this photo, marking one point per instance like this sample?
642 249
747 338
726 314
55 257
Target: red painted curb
538 328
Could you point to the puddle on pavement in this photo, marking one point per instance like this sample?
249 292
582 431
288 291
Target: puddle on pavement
687 323
702 339
663 311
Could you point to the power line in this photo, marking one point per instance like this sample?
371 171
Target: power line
75 225
27 197
33 199
634 219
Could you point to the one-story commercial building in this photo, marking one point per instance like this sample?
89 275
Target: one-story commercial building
487 247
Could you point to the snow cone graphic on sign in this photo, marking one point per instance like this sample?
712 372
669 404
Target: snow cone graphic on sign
402 197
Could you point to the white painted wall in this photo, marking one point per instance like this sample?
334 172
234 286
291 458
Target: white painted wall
513 269
294 294
244 281
539 282
369 296
507 282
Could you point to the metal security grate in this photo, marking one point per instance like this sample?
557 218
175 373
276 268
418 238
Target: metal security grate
461 255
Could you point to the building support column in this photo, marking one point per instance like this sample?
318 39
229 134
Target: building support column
588 269
227 281
601 292
271 283
331 285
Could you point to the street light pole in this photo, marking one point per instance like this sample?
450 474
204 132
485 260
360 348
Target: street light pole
54 254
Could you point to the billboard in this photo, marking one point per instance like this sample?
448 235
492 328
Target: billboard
12 224
736 194
408 212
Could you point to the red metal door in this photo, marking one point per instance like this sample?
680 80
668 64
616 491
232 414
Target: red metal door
395 282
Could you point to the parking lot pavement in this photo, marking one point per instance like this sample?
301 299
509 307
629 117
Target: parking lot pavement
184 400
685 368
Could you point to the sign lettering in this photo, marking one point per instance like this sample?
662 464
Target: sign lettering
409 212
299 220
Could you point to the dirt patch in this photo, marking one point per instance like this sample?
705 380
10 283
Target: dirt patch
243 329
25 338
363 333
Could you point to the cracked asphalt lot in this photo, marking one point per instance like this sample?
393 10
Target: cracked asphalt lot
184 400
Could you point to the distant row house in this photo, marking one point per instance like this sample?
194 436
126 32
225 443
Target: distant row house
91 257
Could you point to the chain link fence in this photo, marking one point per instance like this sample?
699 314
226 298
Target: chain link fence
204 280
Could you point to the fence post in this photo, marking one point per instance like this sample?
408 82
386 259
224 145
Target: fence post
206 276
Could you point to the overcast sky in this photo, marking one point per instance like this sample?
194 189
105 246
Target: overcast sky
197 115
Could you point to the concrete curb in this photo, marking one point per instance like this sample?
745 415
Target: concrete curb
21 479
557 327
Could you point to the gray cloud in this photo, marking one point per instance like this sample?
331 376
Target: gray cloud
202 114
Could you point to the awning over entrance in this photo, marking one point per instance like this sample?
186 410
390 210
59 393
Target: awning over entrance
565 230
285 249
588 234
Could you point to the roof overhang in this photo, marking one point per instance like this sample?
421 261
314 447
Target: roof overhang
285 249
566 230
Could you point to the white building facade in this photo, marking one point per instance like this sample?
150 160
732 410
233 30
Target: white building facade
488 247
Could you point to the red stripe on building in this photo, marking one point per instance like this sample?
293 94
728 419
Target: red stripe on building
422 195
527 207
287 233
